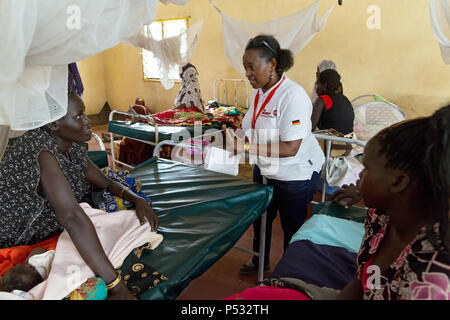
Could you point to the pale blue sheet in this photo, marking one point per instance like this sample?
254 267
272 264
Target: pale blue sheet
327 230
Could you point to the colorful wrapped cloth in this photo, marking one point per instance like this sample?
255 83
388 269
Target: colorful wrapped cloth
92 289
138 275
181 117
105 201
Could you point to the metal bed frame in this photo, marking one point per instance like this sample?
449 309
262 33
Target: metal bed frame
235 82
216 88
111 134
327 138
153 143
262 244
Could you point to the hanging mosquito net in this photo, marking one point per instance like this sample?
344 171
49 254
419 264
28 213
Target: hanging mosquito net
171 52
293 32
440 23
40 38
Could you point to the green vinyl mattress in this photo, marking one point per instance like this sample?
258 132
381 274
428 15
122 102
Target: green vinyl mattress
146 132
202 215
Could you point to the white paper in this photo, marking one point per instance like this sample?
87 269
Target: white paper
222 161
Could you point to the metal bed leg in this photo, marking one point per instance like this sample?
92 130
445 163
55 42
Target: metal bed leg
113 151
325 168
262 243
262 248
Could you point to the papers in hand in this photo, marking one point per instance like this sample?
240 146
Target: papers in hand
221 160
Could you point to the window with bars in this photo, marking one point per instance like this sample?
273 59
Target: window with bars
161 29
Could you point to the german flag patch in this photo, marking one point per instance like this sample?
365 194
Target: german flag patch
296 122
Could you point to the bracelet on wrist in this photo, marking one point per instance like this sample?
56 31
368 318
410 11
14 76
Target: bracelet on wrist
114 283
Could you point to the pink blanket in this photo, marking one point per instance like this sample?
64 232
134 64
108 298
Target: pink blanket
119 233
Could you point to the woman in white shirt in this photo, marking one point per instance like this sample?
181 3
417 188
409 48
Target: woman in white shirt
282 147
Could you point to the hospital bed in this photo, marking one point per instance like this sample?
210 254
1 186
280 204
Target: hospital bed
373 113
202 215
323 251
150 132
185 168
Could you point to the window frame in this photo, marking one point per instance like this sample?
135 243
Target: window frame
162 28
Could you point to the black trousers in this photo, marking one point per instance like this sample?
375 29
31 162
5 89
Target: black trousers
291 199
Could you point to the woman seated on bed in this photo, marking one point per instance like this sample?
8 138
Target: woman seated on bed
189 95
406 181
44 175
322 66
139 107
332 109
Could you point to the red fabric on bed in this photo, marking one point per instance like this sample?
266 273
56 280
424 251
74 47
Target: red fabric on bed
268 293
168 114
134 152
9 257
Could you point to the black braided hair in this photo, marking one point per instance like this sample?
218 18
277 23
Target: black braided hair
421 147
331 80
270 48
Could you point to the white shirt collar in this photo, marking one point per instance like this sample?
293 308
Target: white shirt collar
274 86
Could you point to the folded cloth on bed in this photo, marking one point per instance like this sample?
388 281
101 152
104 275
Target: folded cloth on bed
119 233
323 229
190 116
181 116
322 265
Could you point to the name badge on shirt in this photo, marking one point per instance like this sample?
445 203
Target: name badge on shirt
267 114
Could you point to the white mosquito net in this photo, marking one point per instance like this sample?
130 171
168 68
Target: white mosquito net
440 23
40 38
292 32
170 53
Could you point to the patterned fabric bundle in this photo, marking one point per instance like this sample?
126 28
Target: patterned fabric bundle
105 201
92 289
137 275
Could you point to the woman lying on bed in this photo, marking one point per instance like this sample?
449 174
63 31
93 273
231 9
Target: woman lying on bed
44 175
